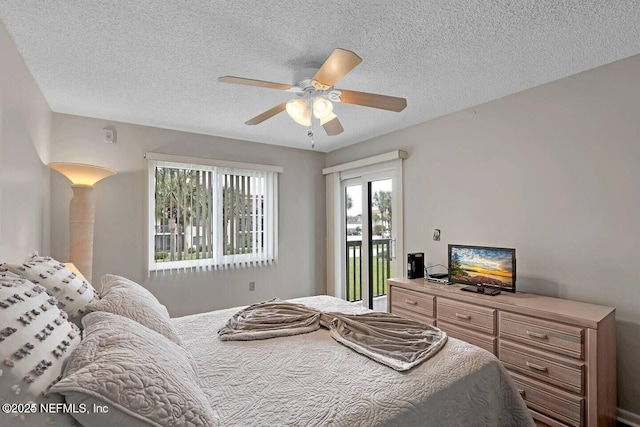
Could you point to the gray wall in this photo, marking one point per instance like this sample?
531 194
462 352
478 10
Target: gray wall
121 215
25 129
554 172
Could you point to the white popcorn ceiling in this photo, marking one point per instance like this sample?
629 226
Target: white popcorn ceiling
157 62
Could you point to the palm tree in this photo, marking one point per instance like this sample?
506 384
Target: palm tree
184 196
181 195
382 199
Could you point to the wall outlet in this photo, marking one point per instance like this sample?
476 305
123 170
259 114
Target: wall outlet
252 286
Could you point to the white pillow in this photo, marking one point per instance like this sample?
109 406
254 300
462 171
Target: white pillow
35 340
126 298
73 294
139 375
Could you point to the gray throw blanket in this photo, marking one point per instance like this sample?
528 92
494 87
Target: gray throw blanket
389 339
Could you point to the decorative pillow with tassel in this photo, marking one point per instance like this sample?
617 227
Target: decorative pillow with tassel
72 292
35 340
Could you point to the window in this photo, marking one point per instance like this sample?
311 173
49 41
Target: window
211 215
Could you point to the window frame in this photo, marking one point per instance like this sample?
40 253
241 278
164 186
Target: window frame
219 168
336 211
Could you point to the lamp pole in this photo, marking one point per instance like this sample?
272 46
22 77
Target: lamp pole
82 211
81 220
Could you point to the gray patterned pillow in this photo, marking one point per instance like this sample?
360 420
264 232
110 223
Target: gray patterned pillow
126 298
73 293
138 374
35 340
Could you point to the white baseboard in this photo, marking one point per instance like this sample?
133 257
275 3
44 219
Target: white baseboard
629 418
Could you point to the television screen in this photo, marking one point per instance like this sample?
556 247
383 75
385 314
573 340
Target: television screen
483 266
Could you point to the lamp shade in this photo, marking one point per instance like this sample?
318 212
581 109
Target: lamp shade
299 111
81 174
321 107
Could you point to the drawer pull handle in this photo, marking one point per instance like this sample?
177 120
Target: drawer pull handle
410 301
521 391
536 367
463 316
537 335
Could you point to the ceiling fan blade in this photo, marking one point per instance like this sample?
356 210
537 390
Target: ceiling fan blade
373 100
267 114
333 127
337 65
253 82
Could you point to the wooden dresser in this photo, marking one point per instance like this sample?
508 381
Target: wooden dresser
560 353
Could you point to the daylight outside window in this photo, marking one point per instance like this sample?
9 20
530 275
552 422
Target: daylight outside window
211 217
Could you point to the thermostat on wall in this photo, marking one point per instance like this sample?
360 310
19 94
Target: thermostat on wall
110 135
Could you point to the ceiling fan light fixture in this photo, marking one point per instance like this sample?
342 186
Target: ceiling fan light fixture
317 94
299 111
321 107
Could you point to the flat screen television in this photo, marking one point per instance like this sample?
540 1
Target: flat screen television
483 267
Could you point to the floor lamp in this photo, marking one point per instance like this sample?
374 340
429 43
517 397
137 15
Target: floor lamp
81 211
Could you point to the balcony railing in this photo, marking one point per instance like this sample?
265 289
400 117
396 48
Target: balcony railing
381 268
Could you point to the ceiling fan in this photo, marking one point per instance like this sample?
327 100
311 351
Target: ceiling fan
316 94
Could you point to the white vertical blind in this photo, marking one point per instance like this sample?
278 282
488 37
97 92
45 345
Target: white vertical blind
208 217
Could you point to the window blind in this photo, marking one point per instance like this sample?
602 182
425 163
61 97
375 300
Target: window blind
203 216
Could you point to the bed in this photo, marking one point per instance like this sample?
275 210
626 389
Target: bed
134 366
312 380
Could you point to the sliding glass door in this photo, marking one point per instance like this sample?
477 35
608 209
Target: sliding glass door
353 240
381 244
370 234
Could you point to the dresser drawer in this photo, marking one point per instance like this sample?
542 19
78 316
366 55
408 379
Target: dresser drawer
413 315
470 316
483 341
544 421
562 372
550 401
406 299
552 336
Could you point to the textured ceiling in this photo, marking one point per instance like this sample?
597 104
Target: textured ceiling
157 62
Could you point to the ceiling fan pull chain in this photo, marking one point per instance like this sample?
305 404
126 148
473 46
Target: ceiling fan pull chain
309 102
310 135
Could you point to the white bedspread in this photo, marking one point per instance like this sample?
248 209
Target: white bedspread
311 380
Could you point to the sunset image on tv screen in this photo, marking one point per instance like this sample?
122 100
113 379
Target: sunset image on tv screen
482 266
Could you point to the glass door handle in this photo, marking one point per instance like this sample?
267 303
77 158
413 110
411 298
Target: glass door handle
393 249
